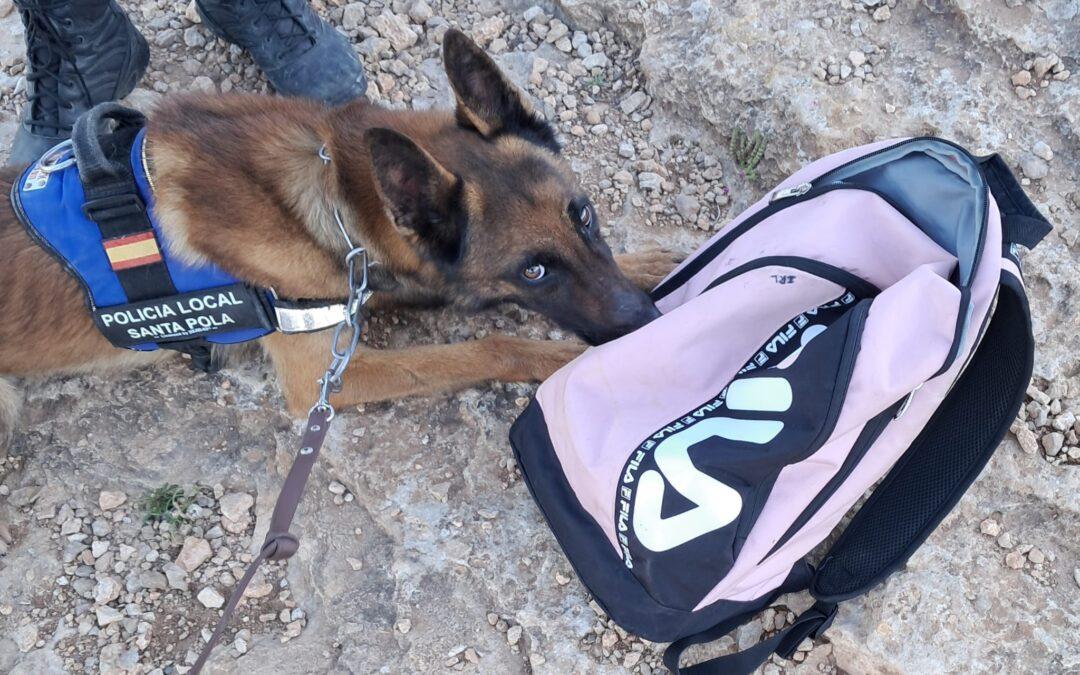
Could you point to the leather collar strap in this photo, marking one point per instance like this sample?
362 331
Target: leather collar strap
279 544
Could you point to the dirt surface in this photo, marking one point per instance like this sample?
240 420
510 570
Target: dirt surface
422 551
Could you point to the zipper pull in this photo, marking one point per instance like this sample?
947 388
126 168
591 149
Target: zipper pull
786 193
907 402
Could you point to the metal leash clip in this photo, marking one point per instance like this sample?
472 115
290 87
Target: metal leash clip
347 333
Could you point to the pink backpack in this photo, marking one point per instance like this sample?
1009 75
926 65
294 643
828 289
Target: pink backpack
865 319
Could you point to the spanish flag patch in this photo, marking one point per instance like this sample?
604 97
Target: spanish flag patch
133 250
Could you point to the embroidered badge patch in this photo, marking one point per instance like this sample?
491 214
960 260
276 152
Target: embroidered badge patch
132 251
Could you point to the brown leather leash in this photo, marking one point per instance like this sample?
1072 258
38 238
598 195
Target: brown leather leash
280 544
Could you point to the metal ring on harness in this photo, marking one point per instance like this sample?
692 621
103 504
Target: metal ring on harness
51 161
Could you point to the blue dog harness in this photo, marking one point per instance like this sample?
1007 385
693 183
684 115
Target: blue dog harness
99 225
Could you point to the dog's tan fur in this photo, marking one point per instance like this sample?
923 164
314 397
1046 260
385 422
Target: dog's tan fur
238 182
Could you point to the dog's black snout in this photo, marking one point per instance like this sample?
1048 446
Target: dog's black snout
639 313
630 310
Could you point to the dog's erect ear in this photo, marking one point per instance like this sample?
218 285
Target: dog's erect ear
423 197
486 100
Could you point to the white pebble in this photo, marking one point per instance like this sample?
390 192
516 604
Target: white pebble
210 598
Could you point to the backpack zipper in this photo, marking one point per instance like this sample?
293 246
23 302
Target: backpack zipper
787 193
783 199
914 139
869 435
845 370
796 194
860 287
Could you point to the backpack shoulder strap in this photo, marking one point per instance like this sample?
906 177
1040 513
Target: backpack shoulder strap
809 624
942 462
1021 222
961 436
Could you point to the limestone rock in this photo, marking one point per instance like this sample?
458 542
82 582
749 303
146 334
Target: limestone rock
109 500
487 30
648 180
1034 167
235 511
107 616
210 598
353 15
395 29
24 496
25 637
195 552
1043 65
108 589
175 575
114 659
1021 78
420 12
149 579
687 206
633 102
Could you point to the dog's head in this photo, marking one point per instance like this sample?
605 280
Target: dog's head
487 198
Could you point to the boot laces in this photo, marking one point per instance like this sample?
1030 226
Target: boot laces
47 51
287 23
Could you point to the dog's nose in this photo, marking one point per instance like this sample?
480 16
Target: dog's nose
632 310
639 314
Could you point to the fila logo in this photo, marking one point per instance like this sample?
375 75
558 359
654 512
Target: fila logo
662 461
716 504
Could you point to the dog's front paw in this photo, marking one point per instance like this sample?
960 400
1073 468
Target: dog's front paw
648 268
526 360
538 359
552 355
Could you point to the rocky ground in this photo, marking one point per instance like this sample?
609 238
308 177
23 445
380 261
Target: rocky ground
130 504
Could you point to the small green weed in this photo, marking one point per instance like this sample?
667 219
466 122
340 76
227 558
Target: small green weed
167 503
596 81
747 151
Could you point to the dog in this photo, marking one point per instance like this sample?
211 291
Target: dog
468 209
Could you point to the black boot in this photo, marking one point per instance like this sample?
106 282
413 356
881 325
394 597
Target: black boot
301 54
78 53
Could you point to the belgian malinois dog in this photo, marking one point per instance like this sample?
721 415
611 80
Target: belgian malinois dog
468 209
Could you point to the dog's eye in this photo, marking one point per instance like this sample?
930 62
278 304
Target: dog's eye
534 272
582 213
586 216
